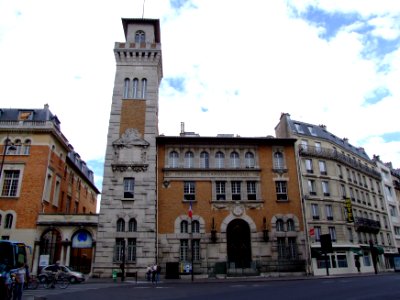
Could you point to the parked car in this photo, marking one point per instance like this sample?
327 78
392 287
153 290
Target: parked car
73 276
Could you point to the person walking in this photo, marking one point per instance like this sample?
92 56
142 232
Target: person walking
153 274
358 265
19 274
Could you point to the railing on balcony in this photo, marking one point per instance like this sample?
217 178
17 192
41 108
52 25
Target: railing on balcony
367 225
339 157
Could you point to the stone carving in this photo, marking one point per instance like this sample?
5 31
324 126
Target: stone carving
130 139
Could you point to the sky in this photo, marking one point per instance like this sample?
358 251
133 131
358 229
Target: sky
229 66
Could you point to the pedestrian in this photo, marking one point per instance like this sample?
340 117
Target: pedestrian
158 273
358 265
148 273
153 273
19 275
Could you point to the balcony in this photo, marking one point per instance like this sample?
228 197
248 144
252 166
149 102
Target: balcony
367 225
331 154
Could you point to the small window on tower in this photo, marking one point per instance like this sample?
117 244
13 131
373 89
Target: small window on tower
140 36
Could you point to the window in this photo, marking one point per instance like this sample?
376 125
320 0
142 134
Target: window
120 225
132 225
184 226
119 249
126 88
144 88
236 190
351 194
290 225
317 230
18 147
183 250
311 187
396 230
318 147
350 234
322 167
249 160
129 184
281 190
325 188
251 190
309 166
292 248
56 196
9 221
279 163
173 159
220 190
388 191
140 36
219 160
204 160
315 211
48 185
10 183
312 130
299 128
281 247
340 172
196 249
27 147
389 239
131 250
235 160
195 226
189 159
332 232
280 225
304 145
189 190
329 212
135 88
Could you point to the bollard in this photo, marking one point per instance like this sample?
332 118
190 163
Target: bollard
114 275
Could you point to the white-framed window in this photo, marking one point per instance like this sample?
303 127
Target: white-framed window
27 147
312 130
281 190
280 225
184 250
317 232
129 187
196 249
332 232
235 160
325 188
184 226
140 36
189 159
195 226
322 167
350 234
317 146
311 187
290 225
281 242
126 87
279 162
396 230
132 225
249 160
8 223
131 251
204 160
236 190
251 190
189 190
219 160
135 88
57 188
119 249
173 159
220 190
292 248
309 165
315 211
304 145
10 183
343 191
299 128
120 225
48 185
329 212
144 88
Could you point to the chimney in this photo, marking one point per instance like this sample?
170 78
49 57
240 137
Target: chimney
182 128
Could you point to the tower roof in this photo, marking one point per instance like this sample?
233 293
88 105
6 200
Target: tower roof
154 22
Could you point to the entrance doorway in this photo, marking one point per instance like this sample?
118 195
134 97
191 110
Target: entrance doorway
82 251
239 244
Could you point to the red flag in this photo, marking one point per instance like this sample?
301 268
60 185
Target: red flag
190 212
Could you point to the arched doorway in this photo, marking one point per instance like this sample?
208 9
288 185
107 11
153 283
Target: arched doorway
82 251
50 247
239 244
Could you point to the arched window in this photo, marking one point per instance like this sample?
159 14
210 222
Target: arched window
27 147
249 159
144 88
219 160
120 225
126 88
140 36
189 159
235 160
9 221
290 225
173 159
132 225
184 226
204 160
135 88
195 226
279 225
278 160
18 146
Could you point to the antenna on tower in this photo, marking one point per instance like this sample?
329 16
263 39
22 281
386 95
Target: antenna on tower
143 9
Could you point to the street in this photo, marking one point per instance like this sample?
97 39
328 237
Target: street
382 286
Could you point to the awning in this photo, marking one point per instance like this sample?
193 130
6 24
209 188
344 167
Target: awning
357 251
379 250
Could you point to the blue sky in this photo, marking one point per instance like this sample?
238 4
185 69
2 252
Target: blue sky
236 64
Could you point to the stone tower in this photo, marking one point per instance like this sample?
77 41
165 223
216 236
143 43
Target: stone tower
127 221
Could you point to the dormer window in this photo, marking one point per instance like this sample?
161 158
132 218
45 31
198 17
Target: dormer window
25 115
140 36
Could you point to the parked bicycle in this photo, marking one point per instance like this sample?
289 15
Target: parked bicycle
59 279
32 283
